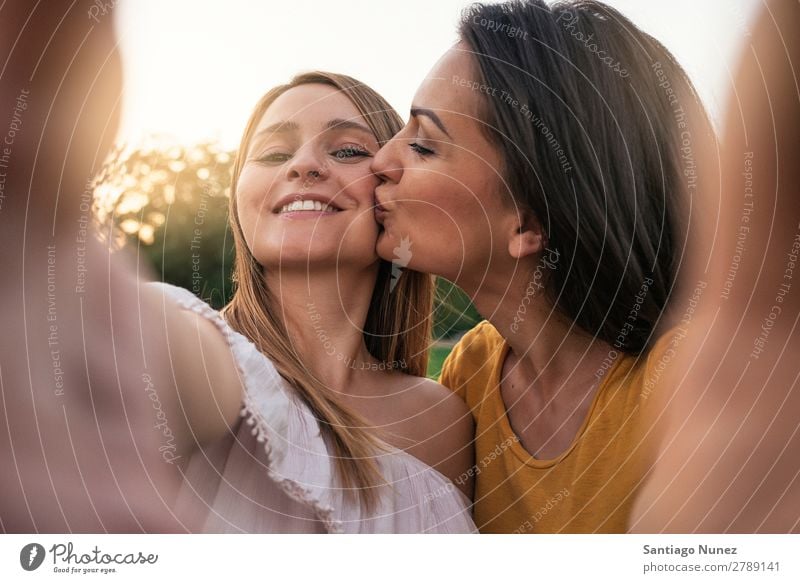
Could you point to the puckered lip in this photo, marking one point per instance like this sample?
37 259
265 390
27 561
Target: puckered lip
380 210
296 196
378 203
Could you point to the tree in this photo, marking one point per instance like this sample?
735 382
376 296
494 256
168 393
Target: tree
173 205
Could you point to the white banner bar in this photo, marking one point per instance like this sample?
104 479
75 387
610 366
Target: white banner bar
382 558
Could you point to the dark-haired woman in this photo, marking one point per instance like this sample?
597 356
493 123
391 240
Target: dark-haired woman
547 172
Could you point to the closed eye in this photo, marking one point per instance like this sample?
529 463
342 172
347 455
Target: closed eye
350 152
421 150
274 158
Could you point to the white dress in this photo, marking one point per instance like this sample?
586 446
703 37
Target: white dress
275 474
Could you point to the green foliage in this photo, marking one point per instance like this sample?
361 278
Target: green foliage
436 359
173 204
453 312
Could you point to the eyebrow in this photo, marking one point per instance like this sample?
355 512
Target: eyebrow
347 124
283 127
417 111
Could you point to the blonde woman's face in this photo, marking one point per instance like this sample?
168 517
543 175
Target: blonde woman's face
305 195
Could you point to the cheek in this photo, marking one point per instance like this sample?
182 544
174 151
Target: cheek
358 182
252 199
422 231
362 233
358 242
253 189
443 222
440 203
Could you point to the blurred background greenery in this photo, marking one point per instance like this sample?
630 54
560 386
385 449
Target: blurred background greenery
169 203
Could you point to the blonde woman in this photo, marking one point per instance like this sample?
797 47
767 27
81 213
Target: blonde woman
307 392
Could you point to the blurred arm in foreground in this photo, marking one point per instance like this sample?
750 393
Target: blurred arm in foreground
92 431
729 462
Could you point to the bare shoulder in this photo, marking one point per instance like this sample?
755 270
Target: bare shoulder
439 402
444 430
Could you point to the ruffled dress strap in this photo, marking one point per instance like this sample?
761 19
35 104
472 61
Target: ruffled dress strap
297 456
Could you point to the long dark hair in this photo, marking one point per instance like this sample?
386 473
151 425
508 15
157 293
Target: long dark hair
597 129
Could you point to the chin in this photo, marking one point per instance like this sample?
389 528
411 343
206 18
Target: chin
300 258
385 246
315 259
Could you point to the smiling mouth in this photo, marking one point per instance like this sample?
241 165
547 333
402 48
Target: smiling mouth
301 206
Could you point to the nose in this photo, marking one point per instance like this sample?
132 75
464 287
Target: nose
386 164
307 166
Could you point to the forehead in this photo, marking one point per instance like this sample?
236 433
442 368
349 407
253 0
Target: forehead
453 85
310 105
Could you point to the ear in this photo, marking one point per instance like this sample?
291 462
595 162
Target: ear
528 237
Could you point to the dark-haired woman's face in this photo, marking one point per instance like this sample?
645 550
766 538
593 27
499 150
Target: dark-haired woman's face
442 204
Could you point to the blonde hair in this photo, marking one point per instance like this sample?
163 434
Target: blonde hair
397 330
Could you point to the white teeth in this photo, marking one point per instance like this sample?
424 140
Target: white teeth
306 205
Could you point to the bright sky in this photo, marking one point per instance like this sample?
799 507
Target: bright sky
194 69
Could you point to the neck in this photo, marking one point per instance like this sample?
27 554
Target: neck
324 312
547 348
